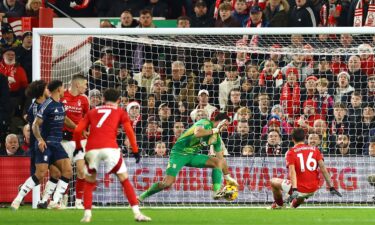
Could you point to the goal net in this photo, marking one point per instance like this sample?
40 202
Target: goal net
268 81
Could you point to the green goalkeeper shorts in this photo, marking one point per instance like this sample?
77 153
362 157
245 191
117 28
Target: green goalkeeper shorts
177 161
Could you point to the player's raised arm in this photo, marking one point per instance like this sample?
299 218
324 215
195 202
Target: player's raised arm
202 132
36 131
81 127
327 177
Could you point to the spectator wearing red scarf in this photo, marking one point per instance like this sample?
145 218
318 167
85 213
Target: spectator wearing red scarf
307 119
290 94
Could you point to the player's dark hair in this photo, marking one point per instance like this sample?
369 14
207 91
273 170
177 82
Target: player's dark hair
54 85
79 76
36 89
111 95
221 116
298 135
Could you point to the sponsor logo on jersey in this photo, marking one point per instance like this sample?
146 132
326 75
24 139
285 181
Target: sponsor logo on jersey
59 118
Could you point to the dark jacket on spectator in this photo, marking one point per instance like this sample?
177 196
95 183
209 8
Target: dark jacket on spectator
237 141
24 57
135 23
5 107
302 17
18 10
119 6
230 22
203 21
159 9
278 18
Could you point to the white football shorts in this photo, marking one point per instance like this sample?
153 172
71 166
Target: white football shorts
112 158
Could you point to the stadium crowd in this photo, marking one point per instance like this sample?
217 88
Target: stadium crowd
166 89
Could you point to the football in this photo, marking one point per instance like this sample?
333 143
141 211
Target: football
231 192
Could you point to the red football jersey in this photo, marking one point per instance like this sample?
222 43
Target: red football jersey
104 122
305 160
76 107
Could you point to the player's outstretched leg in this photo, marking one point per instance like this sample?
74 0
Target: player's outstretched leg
66 173
132 198
80 182
276 184
89 187
29 184
296 202
50 187
157 187
217 176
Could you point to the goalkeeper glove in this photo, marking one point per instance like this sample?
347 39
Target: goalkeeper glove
294 195
137 157
219 126
230 180
333 191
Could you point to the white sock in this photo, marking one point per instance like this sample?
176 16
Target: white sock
135 209
60 189
29 184
48 190
87 213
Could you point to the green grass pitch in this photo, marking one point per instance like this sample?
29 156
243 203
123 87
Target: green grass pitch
235 216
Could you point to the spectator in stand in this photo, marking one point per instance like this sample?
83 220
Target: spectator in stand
324 70
127 20
324 100
95 98
99 79
147 76
358 76
178 129
134 111
234 102
11 8
200 18
309 92
248 150
158 8
307 119
276 13
8 38
159 91
106 24
277 112
152 134
181 85
320 128
355 107
165 119
145 19
18 82
108 60
247 91
360 15
339 124
290 98
149 107
12 146
271 79
122 77
240 12
252 74
201 114
346 41
232 81
133 92
261 112
371 149
362 129
182 112
220 60
273 146
119 6
26 139
369 93
209 80
314 140
183 22
344 89
226 19
5 107
366 54
160 150
334 13
342 146
255 19
302 15
298 61
32 8
24 54
240 138
276 56
203 103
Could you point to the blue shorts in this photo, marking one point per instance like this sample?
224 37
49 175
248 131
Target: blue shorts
51 154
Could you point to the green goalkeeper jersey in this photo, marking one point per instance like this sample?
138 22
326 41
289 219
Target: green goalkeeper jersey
187 143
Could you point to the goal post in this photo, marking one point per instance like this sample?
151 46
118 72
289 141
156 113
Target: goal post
245 72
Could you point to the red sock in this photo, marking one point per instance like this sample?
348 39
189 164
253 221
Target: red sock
87 194
129 192
279 201
80 183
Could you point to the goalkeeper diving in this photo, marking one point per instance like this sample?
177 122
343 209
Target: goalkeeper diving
186 150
